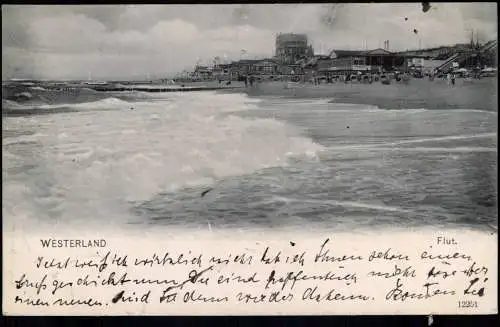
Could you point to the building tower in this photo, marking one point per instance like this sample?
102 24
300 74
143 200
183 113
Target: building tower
291 47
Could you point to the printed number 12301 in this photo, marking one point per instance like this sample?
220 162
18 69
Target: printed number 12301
467 304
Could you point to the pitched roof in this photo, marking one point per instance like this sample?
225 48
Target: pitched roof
346 53
316 60
354 53
247 61
321 56
266 62
254 61
378 51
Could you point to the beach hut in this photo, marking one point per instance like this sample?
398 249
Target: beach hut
461 72
489 72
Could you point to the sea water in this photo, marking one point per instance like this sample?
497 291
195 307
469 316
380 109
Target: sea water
146 160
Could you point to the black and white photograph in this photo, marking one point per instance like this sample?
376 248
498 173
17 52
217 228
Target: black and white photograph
284 117
250 159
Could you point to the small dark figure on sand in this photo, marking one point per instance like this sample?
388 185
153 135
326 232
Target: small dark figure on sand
453 79
406 79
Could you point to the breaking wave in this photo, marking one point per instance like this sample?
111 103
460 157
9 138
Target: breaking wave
99 163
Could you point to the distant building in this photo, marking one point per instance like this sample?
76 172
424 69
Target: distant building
292 47
346 61
463 55
265 67
202 73
429 66
242 68
311 66
246 67
221 71
291 69
488 54
439 53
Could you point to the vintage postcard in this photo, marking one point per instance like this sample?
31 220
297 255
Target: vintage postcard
285 159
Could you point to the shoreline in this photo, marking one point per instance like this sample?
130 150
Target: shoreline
419 94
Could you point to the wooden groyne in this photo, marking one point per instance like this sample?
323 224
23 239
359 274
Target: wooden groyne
159 89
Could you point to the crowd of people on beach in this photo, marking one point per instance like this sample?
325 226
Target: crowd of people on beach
360 78
386 78
249 80
451 77
395 77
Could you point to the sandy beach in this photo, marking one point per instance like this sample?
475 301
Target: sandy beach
420 93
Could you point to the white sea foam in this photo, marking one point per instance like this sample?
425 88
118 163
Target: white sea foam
108 103
92 164
445 138
38 88
365 108
11 104
441 149
353 204
386 146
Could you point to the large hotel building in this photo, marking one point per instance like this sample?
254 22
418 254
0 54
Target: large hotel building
292 47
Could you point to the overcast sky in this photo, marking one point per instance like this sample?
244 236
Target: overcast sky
121 41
